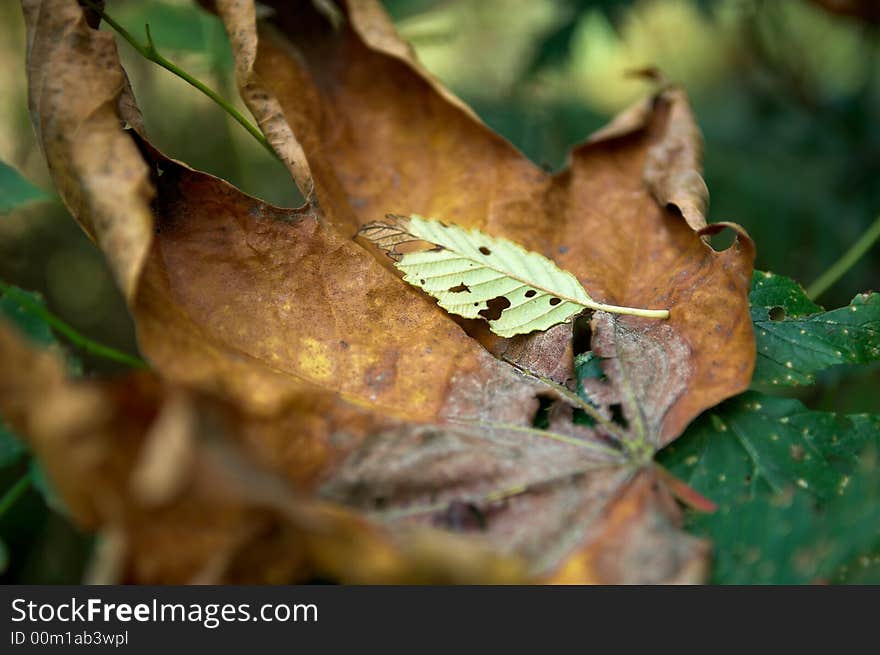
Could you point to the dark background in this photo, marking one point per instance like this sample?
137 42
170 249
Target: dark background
786 93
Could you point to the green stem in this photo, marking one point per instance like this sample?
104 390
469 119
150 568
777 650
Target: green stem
149 52
839 268
14 493
76 338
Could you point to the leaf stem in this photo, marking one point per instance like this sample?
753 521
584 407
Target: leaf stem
14 493
148 51
630 311
839 268
76 338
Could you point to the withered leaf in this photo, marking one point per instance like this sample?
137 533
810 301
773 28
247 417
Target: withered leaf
161 472
336 377
80 132
382 137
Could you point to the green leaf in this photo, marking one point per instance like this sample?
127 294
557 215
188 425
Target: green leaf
791 485
32 326
755 442
862 569
18 306
41 484
587 365
796 339
11 448
477 276
789 539
15 190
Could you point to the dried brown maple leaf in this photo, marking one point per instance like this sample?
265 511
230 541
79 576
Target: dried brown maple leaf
350 384
159 470
380 136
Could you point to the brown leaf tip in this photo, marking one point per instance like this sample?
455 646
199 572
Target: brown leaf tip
387 236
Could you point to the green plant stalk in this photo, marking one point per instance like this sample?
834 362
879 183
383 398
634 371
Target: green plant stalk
148 51
76 338
14 493
839 268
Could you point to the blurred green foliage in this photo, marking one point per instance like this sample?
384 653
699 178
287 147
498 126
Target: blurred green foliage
786 94
37 543
15 190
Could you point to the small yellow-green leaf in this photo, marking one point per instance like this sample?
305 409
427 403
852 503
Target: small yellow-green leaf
474 275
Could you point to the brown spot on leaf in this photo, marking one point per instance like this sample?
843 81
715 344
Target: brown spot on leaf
494 308
460 288
555 301
485 250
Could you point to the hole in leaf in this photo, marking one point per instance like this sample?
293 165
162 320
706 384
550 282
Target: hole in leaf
460 516
494 308
541 419
580 417
485 250
722 239
617 415
461 288
777 313
587 365
531 293
555 301
581 334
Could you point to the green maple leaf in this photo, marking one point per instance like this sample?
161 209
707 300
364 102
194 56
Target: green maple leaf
799 534
795 338
758 443
798 491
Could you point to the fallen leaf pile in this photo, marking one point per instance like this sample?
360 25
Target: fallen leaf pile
308 412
